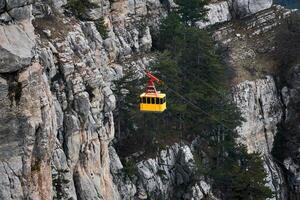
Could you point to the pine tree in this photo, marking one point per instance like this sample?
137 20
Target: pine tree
191 11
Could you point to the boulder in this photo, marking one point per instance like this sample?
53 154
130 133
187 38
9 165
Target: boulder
16 48
10 4
57 4
243 8
218 12
21 13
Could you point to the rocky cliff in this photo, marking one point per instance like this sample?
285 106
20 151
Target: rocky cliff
262 110
56 101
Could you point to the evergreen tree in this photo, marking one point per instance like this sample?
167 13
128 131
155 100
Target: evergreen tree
101 28
171 30
79 7
191 11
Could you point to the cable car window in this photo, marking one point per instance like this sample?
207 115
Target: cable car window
152 100
161 101
164 100
144 99
148 100
157 100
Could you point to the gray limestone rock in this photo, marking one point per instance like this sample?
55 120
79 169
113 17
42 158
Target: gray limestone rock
146 40
16 48
261 108
291 127
110 99
2 6
243 8
126 188
218 13
17 3
5 18
3 89
62 177
72 138
198 191
10 184
82 105
57 4
84 186
172 168
21 13
41 9
27 127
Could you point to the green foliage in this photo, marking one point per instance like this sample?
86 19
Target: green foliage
102 28
241 176
161 172
79 7
279 148
190 64
130 168
191 11
171 30
127 91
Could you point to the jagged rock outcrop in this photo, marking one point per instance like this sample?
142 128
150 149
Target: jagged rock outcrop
56 99
28 119
17 39
223 11
170 175
127 189
261 109
28 126
289 140
218 12
243 8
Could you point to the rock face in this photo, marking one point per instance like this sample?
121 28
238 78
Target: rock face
168 176
28 125
56 97
218 12
261 108
17 40
28 120
223 11
290 128
243 8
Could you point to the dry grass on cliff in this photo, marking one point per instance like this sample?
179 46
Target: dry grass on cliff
250 56
59 27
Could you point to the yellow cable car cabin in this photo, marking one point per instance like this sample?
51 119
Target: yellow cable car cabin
153 102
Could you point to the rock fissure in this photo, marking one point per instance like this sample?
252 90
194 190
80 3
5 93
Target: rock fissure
277 196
